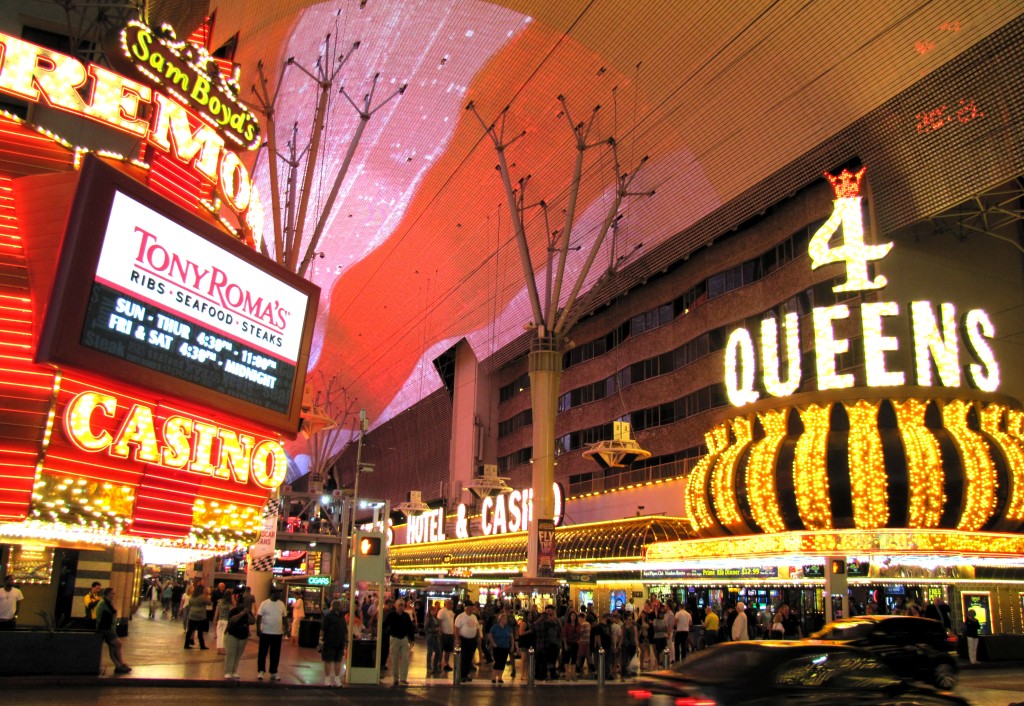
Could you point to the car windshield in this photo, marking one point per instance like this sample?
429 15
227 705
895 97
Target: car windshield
837 670
853 630
705 665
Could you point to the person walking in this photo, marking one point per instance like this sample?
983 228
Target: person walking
526 637
467 635
446 622
630 643
502 641
106 625
711 624
237 620
91 600
177 593
298 613
153 594
583 655
196 616
10 600
335 633
739 625
572 633
220 617
972 631
659 638
683 621
402 632
165 598
432 633
270 629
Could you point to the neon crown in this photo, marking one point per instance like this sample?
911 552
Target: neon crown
846 184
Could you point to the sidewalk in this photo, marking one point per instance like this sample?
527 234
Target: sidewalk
154 650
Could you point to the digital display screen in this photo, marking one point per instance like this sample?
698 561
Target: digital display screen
154 296
172 301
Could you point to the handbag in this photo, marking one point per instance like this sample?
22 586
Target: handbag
634 664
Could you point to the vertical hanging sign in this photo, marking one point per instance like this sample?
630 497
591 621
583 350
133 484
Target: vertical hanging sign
261 554
545 548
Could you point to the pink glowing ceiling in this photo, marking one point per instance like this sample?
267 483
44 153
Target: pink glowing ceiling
419 252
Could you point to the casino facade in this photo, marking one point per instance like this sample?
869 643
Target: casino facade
821 367
153 361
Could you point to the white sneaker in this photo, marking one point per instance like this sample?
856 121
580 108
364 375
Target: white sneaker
259 675
328 681
337 681
274 677
228 675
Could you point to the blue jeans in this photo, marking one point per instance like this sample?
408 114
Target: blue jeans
433 654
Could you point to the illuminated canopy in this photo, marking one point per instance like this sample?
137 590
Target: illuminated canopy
419 252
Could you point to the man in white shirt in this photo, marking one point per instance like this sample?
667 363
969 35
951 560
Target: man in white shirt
446 619
10 598
270 628
467 634
682 632
739 626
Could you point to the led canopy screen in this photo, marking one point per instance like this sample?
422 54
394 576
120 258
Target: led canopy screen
151 295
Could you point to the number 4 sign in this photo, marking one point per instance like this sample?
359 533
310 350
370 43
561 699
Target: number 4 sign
854 251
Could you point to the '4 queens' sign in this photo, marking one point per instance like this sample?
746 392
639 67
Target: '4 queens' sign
940 338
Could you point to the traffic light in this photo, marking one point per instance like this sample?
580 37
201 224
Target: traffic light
369 546
369 556
838 567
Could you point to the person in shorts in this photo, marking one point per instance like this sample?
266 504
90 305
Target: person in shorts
335 635
446 621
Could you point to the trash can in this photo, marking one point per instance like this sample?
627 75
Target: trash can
309 632
364 653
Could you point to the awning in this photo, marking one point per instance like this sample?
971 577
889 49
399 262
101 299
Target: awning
616 540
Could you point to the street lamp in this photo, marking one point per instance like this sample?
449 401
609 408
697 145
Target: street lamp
361 467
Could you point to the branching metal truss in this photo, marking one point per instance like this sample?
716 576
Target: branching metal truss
997 213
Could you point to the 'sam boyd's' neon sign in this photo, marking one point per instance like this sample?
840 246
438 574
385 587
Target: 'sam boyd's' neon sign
937 332
39 75
501 514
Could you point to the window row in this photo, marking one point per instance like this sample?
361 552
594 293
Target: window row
714 286
516 421
507 392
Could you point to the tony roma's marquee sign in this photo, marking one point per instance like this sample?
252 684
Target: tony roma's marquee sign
153 296
200 311
39 75
935 331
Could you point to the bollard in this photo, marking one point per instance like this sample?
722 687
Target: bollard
531 675
600 666
457 669
666 658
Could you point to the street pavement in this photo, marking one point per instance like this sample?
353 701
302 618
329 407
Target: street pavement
154 649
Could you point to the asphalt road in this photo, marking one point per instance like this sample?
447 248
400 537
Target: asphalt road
986 686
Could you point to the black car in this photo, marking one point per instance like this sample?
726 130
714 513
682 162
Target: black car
783 672
916 648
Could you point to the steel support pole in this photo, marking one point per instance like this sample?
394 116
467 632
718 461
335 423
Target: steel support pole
545 362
